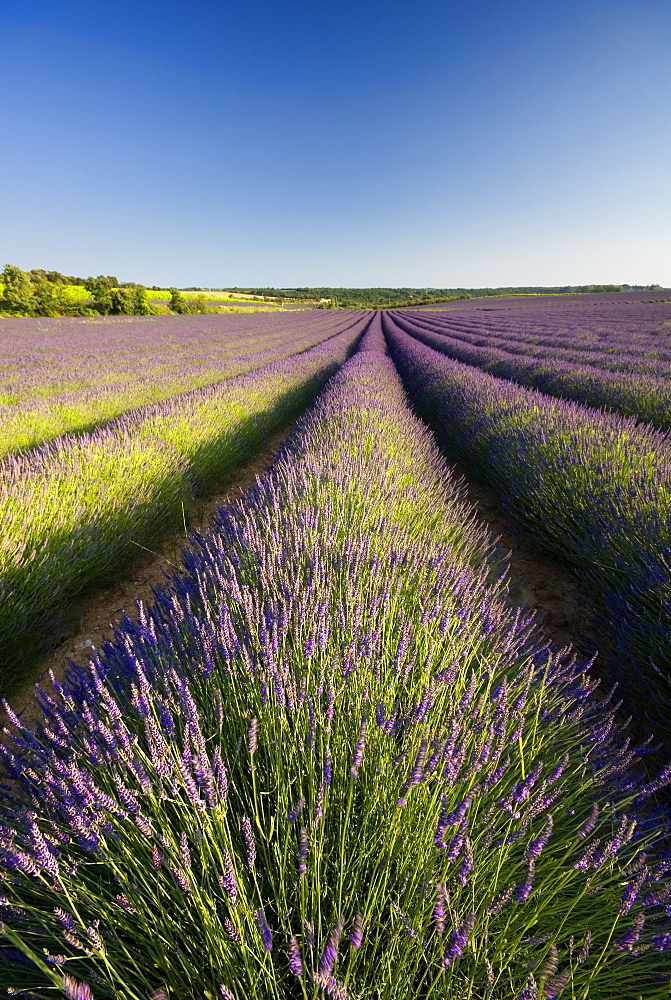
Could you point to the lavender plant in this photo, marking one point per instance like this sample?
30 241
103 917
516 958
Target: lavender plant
60 376
74 511
568 374
591 489
331 761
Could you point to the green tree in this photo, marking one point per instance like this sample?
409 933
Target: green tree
178 303
128 302
100 289
19 294
50 299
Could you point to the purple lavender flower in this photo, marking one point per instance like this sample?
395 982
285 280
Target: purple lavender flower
357 756
458 941
530 991
302 851
144 825
253 737
319 804
156 858
631 892
250 843
466 864
454 818
309 934
295 959
221 777
182 879
225 992
231 930
94 935
228 881
661 942
583 954
549 966
330 952
331 986
264 929
556 984
523 788
297 809
65 919
440 908
74 989
356 937
125 903
184 850
328 766
631 936
535 847
525 887
590 822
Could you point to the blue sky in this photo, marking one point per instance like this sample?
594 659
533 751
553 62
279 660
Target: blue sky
434 143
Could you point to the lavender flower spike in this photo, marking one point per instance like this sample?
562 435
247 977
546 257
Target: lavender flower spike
530 991
458 941
253 737
225 992
295 960
302 851
249 840
356 937
228 881
330 952
440 909
74 989
264 930
357 756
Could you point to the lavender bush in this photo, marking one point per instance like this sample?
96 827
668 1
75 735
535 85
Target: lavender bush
591 489
74 511
634 391
331 761
59 376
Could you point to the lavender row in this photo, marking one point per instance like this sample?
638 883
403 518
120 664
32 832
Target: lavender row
592 489
330 761
633 395
76 374
632 351
74 511
613 339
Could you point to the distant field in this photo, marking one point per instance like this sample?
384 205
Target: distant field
164 295
331 756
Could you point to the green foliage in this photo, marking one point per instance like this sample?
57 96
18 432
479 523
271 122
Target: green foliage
18 294
177 302
112 300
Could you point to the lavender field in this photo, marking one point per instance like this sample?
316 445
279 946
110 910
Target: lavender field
332 758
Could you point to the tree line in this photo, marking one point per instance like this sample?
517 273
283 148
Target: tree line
45 293
385 298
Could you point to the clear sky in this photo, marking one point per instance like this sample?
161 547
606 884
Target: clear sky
428 143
